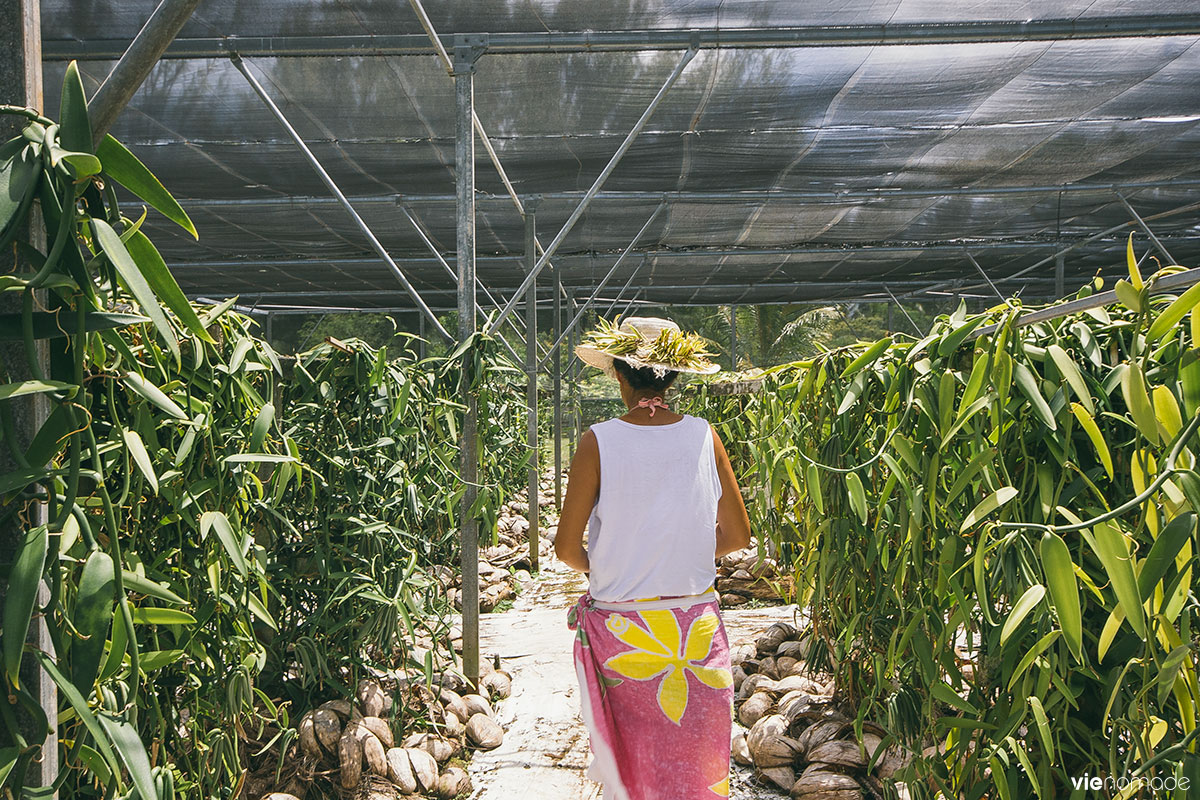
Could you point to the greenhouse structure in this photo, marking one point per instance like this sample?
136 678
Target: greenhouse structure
985 524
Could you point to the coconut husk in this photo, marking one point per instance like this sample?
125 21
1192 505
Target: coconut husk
343 708
839 752
771 726
477 704
372 699
453 727
375 755
350 759
400 770
453 782
783 777
793 648
308 737
498 684
739 675
484 732
380 729
755 708
439 747
328 728
740 751
731 600
795 704
819 783
766 666
818 733
424 769
750 685
454 705
801 683
280 796
742 651
780 752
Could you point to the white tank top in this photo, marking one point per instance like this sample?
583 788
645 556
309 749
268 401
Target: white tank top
652 532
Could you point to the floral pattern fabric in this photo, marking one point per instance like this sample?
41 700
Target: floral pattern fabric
657 697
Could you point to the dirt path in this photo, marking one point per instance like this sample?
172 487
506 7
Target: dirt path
545 749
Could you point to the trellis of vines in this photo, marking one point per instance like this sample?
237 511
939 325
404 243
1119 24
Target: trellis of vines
994 537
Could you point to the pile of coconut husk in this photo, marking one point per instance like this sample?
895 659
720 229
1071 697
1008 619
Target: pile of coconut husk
361 746
799 738
504 566
742 576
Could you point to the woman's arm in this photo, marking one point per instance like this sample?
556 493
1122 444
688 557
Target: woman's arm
733 524
583 488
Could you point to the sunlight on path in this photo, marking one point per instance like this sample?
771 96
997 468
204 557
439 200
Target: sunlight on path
545 749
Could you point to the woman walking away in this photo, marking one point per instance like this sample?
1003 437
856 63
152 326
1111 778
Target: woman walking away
660 502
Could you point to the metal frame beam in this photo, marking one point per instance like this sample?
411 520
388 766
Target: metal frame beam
135 64
333 187
832 196
1178 280
1141 222
599 182
880 35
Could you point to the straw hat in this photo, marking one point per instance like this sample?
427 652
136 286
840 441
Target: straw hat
646 342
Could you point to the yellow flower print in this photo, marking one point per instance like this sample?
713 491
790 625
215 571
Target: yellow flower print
720 788
657 651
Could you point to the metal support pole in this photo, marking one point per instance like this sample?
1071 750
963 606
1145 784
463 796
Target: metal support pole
464 165
599 182
625 288
971 258
604 282
333 187
131 71
557 361
21 85
1146 228
421 346
733 338
1060 275
531 372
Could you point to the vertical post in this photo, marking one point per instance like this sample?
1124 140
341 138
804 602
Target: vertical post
576 370
531 370
421 332
21 84
465 54
1060 276
733 338
558 389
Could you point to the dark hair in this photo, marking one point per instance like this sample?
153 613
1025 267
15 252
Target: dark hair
643 378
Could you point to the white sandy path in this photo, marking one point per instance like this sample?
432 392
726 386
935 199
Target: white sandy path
545 751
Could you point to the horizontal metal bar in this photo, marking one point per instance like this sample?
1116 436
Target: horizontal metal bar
825 285
591 259
750 196
1179 280
901 33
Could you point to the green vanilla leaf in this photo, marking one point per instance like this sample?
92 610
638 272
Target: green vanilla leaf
129 272
1064 590
24 577
124 167
1021 609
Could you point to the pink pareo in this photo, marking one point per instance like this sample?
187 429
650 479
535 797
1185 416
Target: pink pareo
657 696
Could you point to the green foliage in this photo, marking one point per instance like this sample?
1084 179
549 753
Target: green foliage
230 535
995 537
